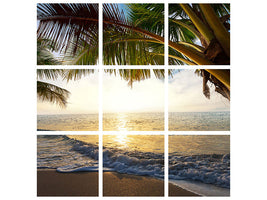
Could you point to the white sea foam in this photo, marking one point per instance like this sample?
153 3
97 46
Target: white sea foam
65 154
138 163
211 169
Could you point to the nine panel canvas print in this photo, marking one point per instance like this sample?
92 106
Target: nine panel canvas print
125 108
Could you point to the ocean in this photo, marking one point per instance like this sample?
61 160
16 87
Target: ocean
199 121
200 163
68 122
67 153
153 121
134 154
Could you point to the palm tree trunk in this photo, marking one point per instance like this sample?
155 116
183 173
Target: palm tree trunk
220 32
202 28
222 75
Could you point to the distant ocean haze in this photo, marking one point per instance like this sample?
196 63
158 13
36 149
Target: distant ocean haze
142 121
68 122
199 121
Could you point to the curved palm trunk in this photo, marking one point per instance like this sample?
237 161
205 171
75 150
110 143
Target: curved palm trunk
202 28
195 56
220 32
222 75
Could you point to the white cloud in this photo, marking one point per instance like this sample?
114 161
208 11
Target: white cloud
185 95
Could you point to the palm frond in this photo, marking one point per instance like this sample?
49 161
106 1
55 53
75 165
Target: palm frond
49 73
44 54
67 24
147 16
219 86
52 93
76 74
124 46
136 75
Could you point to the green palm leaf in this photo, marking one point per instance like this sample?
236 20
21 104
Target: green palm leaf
52 93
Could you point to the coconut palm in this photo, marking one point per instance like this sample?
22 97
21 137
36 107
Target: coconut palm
138 37
204 29
199 34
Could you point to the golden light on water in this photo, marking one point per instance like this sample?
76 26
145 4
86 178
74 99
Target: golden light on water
122 140
142 143
122 122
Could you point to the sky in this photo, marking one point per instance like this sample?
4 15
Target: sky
83 98
185 95
144 96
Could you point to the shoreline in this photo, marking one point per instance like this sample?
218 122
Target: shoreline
53 183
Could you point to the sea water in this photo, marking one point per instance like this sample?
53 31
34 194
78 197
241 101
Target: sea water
200 163
67 153
68 122
152 121
199 121
134 154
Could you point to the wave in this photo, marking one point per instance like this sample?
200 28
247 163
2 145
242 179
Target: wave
211 169
65 154
133 162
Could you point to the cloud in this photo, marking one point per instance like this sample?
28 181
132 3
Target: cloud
185 95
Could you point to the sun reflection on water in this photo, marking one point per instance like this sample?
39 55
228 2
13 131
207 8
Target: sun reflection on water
143 143
123 140
122 122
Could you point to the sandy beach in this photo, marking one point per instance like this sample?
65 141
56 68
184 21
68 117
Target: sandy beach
52 183
177 191
115 184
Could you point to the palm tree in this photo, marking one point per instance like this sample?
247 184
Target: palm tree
138 37
204 29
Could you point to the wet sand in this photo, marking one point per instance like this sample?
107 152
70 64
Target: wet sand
177 191
52 183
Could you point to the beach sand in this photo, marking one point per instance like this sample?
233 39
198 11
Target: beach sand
177 191
115 184
52 183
